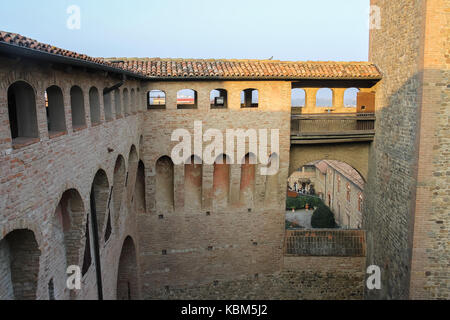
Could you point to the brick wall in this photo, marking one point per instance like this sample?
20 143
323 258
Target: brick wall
406 214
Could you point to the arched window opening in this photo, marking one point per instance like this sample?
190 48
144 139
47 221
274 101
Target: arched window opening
156 99
119 187
348 192
94 103
126 102
118 103
164 193
339 184
350 97
133 160
247 187
107 102
127 279
87 257
69 216
193 180
249 98
219 99
187 99
133 101
298 98
139 190
22 112
324 97
19 267
221 182
100 189
56 120
77 107
138 100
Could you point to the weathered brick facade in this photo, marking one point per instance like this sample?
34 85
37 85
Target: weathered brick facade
407 211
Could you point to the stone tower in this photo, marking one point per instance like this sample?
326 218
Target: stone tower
407 209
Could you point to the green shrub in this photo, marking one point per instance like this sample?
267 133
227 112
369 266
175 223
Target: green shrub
323 218
300 202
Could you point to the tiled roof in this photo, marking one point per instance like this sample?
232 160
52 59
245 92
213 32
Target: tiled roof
209 69
322 166
242 69
21 41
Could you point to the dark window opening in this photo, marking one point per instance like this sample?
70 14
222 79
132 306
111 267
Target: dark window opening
249 98
56 120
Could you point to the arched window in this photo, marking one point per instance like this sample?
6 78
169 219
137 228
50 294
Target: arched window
119 187
139 190
56 119
133 160
249 98
118 103
22 112
324 97
348 192
156 99
94 103
19 274
100 192
298 98
219 99
350 97
339 184
133 101
107 105
126 102
77 106
127 278
187 99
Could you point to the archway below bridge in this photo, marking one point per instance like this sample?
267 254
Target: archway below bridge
354 154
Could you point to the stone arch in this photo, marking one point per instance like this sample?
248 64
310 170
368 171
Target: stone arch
94 105
100 190
248 181
56 119
133 160
298 98
351 97
69 215
22 111
139 188
118 187
127 274
325 97
164 186
193 181
77 107
354 154
221 181
19 265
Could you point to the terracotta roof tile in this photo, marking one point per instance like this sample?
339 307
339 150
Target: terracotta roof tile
202 68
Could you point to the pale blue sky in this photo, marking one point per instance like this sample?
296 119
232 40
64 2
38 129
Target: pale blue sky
259 29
